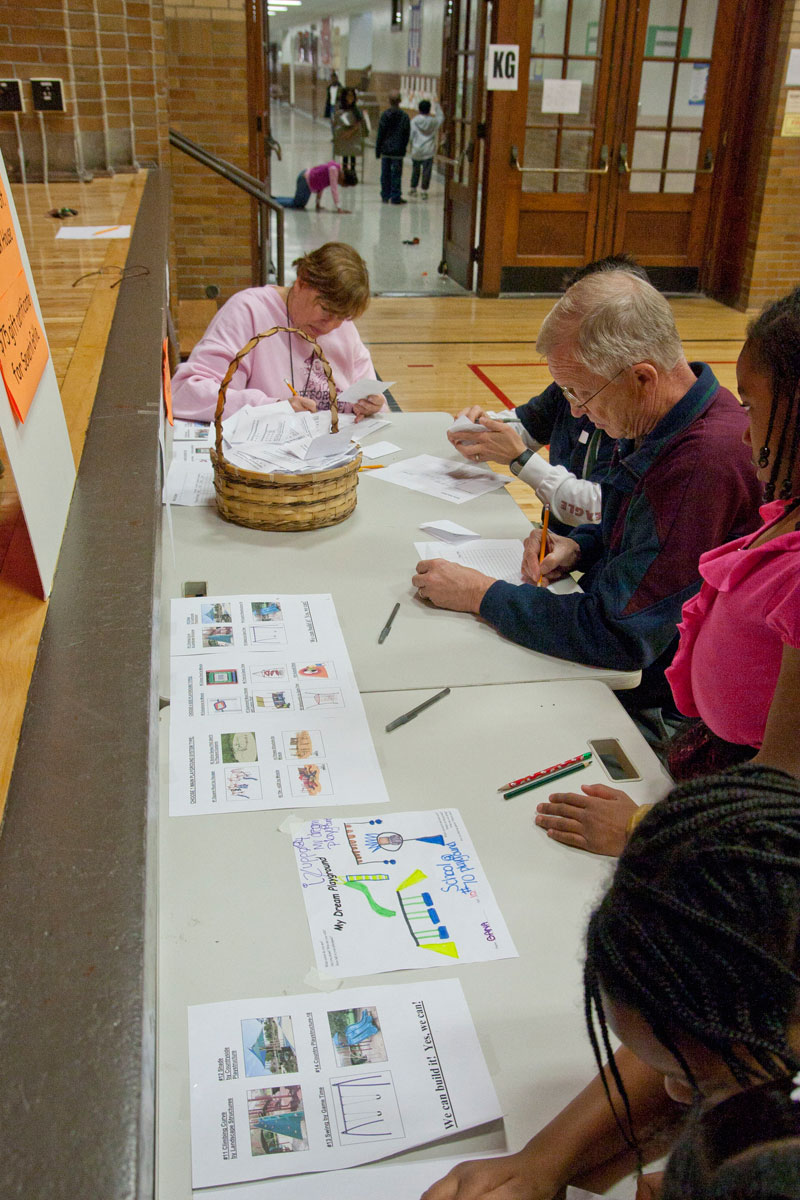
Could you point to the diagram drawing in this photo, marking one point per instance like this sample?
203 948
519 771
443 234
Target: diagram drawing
366 1108
364 843
422 918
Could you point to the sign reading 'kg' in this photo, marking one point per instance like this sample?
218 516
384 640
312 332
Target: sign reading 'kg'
502 68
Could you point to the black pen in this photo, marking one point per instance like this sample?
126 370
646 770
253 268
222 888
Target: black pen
414 712
385 631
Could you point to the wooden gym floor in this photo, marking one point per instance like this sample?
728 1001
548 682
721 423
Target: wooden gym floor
443 352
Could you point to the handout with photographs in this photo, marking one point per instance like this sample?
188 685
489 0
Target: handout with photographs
447 479
265 709
396 892
294 1084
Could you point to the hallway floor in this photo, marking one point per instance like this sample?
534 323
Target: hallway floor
376 230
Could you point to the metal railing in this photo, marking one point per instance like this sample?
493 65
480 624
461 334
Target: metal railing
254 188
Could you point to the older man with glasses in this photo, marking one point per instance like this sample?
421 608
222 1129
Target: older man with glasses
680 482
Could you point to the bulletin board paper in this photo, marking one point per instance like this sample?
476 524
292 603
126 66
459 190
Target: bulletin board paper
38 449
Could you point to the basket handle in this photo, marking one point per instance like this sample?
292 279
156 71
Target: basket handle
233 367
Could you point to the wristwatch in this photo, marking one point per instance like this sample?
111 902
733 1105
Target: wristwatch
518 463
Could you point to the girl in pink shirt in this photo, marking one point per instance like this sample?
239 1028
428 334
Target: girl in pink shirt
313 181
737 667
331 288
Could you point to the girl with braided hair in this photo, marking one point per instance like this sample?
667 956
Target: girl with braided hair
693 961
748 1147
737 667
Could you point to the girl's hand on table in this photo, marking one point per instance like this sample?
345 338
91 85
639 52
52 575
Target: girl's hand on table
506 1178
596 821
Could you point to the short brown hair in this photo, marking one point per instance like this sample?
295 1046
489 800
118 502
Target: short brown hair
339 275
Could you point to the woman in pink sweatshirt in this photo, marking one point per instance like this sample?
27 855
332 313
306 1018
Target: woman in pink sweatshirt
330 291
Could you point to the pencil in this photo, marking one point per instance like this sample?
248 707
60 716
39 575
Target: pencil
372 467
384 633
413 712
549 771
527 787
543 546
291 389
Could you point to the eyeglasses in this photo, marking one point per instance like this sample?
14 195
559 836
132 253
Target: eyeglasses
582 404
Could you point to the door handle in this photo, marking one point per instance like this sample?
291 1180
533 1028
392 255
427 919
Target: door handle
601 170
272 144
625 168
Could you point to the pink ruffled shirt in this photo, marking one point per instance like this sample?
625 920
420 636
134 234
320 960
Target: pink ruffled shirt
259 378
734 630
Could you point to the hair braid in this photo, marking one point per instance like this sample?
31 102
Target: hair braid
773 339
699 931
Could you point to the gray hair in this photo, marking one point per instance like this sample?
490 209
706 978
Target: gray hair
610 321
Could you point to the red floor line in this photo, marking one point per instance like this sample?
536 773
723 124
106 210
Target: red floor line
501 396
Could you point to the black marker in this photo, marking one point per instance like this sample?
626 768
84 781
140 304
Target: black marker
414 712
385 631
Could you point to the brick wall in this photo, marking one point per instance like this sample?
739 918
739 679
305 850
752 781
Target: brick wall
109 55
206 50
772 265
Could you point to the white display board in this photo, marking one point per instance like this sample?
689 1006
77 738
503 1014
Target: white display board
38 451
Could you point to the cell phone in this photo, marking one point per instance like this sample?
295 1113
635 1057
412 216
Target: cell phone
614 760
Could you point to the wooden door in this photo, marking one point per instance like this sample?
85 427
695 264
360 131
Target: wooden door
616 138
463 101
260 141
668 152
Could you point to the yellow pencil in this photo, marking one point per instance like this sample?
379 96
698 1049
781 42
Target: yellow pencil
291 389
373 467
543 546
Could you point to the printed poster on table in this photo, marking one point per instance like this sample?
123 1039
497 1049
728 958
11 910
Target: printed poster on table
396 892
265 709
316 1082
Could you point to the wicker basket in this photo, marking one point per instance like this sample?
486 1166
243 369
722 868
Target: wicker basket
278 501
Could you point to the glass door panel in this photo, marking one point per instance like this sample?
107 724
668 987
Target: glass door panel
565 50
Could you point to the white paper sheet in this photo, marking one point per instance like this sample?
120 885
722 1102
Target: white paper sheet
190 483
379 449
265 710
98 233
268 424
190 431
396 892
359 430
293 1084
363 388
464 425
499 557
190 452
561 96
449 531
455 481
386 1181
793 69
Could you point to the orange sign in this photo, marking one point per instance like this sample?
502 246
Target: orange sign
23 346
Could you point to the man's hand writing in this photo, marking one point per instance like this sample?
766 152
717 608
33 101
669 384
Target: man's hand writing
561 557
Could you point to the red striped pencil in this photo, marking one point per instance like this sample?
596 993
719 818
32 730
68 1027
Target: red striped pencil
547 771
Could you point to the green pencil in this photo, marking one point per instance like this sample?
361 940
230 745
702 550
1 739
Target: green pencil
528 787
